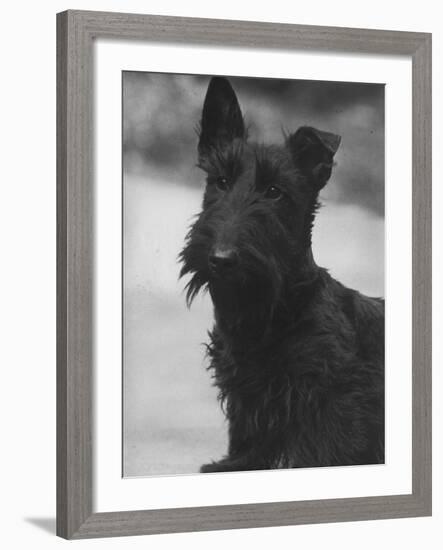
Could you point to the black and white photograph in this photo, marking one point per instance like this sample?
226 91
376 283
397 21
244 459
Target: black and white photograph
253 274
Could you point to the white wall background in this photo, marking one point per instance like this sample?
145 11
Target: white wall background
27 232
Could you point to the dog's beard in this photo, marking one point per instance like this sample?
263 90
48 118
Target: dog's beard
254 278
198 282
246 304
244 300
194 268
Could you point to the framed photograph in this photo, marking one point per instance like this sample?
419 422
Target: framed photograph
243 274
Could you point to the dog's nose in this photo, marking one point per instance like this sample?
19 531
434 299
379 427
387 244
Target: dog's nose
223 259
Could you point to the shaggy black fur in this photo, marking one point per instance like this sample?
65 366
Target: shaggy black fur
298 358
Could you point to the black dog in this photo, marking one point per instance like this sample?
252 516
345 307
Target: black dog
298 358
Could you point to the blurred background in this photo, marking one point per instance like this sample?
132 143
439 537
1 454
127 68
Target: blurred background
172 421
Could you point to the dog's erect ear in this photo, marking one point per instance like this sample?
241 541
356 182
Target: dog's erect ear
313 153
222 120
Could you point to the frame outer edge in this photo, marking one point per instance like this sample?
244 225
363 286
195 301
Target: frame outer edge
248 33
76 31
422 274
74 277
62 456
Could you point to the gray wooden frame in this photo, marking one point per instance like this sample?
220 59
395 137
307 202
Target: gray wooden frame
76 31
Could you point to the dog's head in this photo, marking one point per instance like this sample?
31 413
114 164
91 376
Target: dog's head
259 204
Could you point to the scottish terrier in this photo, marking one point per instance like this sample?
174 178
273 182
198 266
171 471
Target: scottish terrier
297 357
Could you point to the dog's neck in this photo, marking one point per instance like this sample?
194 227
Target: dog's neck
257 327
306 268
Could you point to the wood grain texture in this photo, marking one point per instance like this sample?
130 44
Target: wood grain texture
210 518
76 31
74 290
62 365
246 33
422 272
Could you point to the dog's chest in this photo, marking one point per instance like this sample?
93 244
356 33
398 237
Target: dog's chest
291 355
293 370
253 378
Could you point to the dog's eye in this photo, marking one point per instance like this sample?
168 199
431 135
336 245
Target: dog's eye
273 193
222 183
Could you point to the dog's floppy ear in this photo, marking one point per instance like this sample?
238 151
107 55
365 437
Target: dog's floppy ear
313 153
222 120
